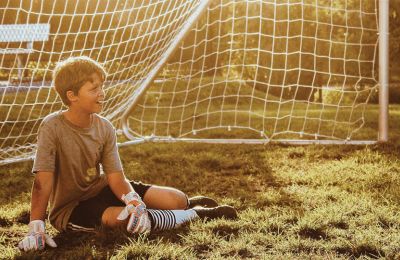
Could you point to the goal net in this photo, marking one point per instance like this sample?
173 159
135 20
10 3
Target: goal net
255 71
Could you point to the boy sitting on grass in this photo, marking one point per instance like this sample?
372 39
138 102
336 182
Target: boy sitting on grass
78 170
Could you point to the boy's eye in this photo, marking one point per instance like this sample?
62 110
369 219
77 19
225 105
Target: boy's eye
96 89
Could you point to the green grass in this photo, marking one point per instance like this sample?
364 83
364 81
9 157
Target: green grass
294 202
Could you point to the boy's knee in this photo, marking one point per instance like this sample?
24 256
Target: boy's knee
165 198
178 200
110 218
184 202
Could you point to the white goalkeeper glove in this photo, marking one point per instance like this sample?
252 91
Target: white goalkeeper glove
139 221
36 239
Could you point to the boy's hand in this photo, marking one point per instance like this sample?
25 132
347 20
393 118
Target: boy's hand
135 209
132 198
133 203
36 237
139 221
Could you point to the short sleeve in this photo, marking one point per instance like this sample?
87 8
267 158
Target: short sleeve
46 150
110 158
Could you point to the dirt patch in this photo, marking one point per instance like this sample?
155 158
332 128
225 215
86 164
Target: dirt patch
225 231
369 251
202 248
313 233
5 222
339 225
293 155
243 253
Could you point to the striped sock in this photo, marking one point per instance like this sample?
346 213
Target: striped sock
170 219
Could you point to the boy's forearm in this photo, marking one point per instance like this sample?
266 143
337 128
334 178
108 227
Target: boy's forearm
119 184
41 190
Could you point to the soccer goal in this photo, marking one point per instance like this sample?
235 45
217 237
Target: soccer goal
225 71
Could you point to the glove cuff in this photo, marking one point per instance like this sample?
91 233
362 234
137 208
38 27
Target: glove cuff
131 198
36 226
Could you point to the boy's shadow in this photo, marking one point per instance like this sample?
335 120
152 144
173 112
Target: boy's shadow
102 239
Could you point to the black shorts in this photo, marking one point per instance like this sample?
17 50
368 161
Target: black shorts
87 215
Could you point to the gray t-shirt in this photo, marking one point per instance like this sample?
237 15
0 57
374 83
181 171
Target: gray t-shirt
77 157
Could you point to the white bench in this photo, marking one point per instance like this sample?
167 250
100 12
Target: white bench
28 33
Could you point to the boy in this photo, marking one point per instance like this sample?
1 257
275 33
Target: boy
78 170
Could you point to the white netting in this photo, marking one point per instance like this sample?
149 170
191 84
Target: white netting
280 69
248 69
128 37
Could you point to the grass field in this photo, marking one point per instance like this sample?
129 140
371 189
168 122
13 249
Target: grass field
294 202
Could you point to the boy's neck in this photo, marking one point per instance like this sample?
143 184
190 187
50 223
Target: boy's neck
78 118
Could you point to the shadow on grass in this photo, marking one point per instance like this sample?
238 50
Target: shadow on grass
226 231
4 222
223 172
361 251
100 243
313 233
241 253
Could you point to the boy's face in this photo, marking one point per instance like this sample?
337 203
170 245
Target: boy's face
90 97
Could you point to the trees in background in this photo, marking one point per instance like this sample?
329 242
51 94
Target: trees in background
286 59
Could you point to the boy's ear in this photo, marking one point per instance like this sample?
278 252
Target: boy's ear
71 96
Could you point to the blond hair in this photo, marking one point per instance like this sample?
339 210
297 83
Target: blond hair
73 73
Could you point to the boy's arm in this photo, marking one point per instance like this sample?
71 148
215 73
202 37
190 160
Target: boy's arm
135 209
37 237
121 187
112 166
119 184
41 190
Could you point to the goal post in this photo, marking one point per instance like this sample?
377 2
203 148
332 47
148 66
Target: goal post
225 71
383 70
